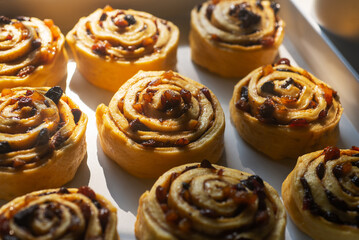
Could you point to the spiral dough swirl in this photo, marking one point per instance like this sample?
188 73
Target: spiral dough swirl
322 190
167 112
239 22
58 214
123 34
29 46
289 111
39 130
205 201
111 45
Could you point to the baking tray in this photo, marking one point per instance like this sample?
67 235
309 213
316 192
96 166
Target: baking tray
305 45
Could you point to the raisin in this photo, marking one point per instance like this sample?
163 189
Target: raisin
275 6
320 169
54 94
268 87
199 6
247 17
186 95
172 216
24 101
99 48
253 182
170 99
331 153
323 114
209 11
63 190
104 214
206 164
130 19
267 41
267 109
43 137
207 93
342 169
284 61
5 147
25 71
161 194
4 20
103 17
86 210
182 142
186 185
77 114
137 125
56 140
300 122
220 172
355 148
23 217
87 191
259 4
4 225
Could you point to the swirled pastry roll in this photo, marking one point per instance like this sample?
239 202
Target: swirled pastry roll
284 111
59 214
204 201
321 194
42 139
158 120
233 37
111 45
32 53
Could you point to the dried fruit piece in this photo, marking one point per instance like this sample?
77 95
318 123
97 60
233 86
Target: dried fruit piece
54 94
87 191
77 114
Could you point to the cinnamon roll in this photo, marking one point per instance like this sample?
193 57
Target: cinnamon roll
111 45
232 37
42 139
32 53
321 194
204 201
59 214
283 111
158 120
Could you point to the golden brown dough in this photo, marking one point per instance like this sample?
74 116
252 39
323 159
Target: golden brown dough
233 37
32 53
321 194
284 111
42 139
158 120
59 214
204 201
112 45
